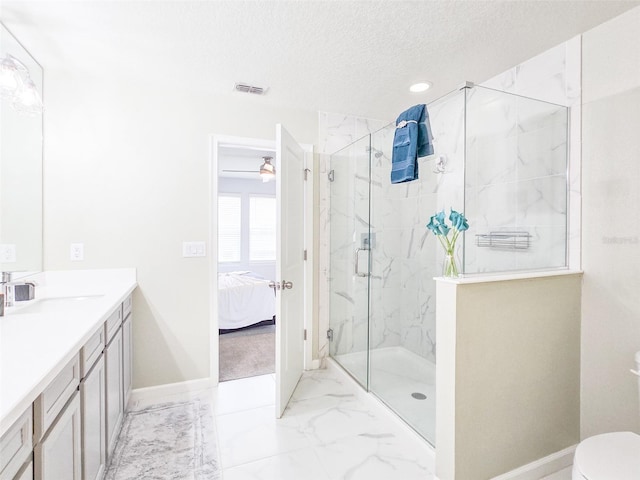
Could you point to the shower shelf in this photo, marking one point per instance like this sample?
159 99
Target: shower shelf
504 240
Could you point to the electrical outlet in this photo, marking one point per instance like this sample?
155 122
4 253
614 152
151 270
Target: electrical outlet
76 252
8 253
194 249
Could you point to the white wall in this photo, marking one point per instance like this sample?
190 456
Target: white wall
611 232
127 173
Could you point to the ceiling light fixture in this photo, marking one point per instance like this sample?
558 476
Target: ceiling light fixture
420 87
16 85
267 171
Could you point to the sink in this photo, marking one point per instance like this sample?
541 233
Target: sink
79 298
49 304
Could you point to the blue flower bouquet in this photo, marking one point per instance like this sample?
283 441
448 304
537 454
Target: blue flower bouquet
438 226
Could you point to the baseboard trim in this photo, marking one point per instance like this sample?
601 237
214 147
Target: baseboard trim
313 365
170 389
542 467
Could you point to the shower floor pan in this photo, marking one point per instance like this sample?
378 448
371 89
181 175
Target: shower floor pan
401 379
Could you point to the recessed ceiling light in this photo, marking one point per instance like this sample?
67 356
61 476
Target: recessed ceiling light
419 87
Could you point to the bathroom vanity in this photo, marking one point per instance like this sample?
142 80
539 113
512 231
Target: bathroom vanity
65 375
65 357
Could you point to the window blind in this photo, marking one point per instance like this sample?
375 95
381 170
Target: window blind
229 228
262 228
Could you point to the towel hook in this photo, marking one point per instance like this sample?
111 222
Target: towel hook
440 164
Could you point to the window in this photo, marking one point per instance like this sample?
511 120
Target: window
262 228
229 228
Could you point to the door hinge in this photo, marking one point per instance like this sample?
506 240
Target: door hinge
330 334
306 174
304 255
305 333
331 175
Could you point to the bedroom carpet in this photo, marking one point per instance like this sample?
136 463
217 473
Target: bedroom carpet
247 356
174 440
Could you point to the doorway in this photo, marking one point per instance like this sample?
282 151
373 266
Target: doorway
246 261
294 299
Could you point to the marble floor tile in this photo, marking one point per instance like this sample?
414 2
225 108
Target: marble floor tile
396 374
331 430
255 434
329 418
245 394
317 383
375 457
298 465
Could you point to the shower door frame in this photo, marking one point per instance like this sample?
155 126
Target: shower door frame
365 382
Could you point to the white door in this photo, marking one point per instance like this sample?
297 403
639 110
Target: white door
289 266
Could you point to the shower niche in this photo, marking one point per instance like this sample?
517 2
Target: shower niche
502 160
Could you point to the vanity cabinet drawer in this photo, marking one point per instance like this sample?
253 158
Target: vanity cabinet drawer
53 399
16 445
126 307
113 322
91 352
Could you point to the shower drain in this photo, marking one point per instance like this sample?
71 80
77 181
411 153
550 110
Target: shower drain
419 396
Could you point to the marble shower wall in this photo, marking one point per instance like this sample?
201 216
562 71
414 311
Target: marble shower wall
343 296
515 183
404 257
555 76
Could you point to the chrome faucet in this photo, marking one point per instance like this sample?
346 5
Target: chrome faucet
8 289
16 291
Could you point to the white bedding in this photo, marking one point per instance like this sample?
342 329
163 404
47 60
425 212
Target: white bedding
244 300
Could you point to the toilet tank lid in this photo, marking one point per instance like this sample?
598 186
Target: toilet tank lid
609 456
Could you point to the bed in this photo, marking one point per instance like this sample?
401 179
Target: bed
244 299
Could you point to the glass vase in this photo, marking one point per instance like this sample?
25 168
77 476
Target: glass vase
449 267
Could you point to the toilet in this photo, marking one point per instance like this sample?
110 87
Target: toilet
610 456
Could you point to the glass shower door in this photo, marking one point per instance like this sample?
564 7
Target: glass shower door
402 331
349 180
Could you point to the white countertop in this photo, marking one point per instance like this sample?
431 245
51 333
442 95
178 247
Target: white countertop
505 277
38 338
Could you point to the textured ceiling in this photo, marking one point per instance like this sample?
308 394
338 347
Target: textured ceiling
355 57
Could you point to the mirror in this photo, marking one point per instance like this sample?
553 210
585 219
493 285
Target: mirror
20 163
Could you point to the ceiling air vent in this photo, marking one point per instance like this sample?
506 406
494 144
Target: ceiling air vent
244 88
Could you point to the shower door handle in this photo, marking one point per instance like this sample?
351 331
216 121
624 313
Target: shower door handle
356 257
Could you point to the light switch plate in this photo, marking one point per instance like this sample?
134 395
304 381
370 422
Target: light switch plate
76 252
194 249
8 253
